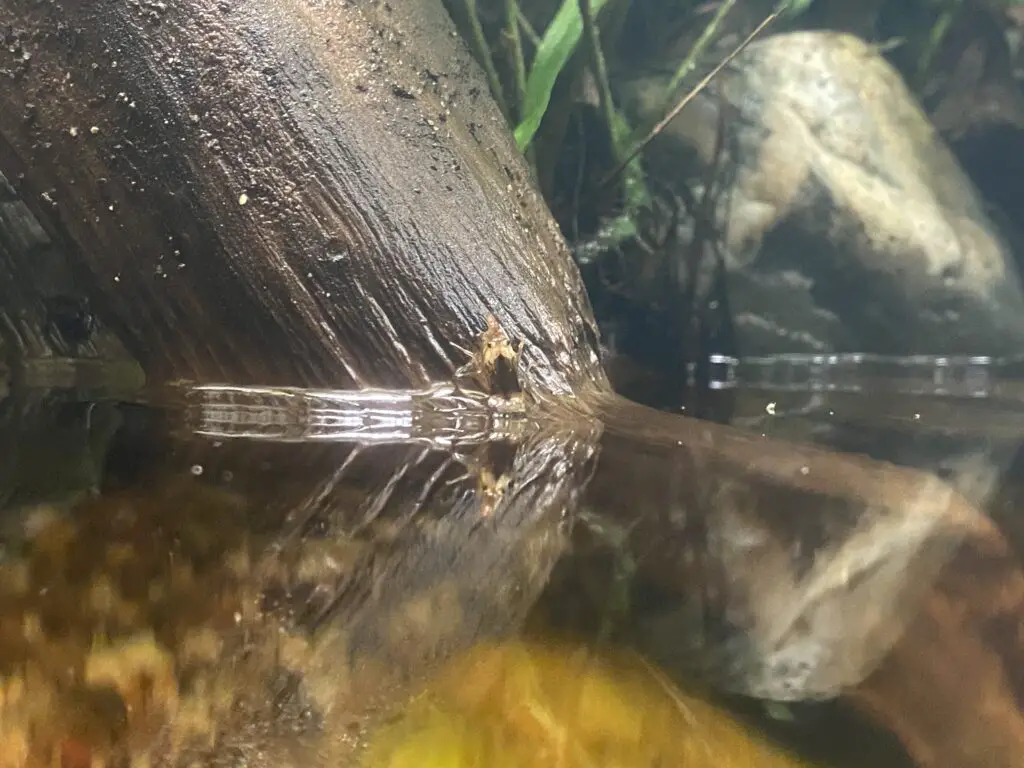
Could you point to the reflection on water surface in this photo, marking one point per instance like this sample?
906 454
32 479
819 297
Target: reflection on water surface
266 576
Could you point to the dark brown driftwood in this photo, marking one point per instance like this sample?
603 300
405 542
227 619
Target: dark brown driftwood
952 688
285 192
48 333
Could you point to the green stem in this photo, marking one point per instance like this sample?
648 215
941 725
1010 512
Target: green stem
515 43
483 54
604 91
639 146
697 51
531 33
938 33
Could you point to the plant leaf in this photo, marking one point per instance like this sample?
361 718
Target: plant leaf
793 7
556 46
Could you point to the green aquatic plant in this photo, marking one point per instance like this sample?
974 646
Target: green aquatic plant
557 45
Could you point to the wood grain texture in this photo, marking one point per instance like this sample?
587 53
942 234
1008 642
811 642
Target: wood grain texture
284 192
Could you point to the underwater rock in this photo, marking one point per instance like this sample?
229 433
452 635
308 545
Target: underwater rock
848 224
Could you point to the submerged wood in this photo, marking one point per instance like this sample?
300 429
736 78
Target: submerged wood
793 570
368 562
322 195
49 336
952 689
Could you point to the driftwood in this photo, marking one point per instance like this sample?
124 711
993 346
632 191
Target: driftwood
323 195
951 689
283 192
